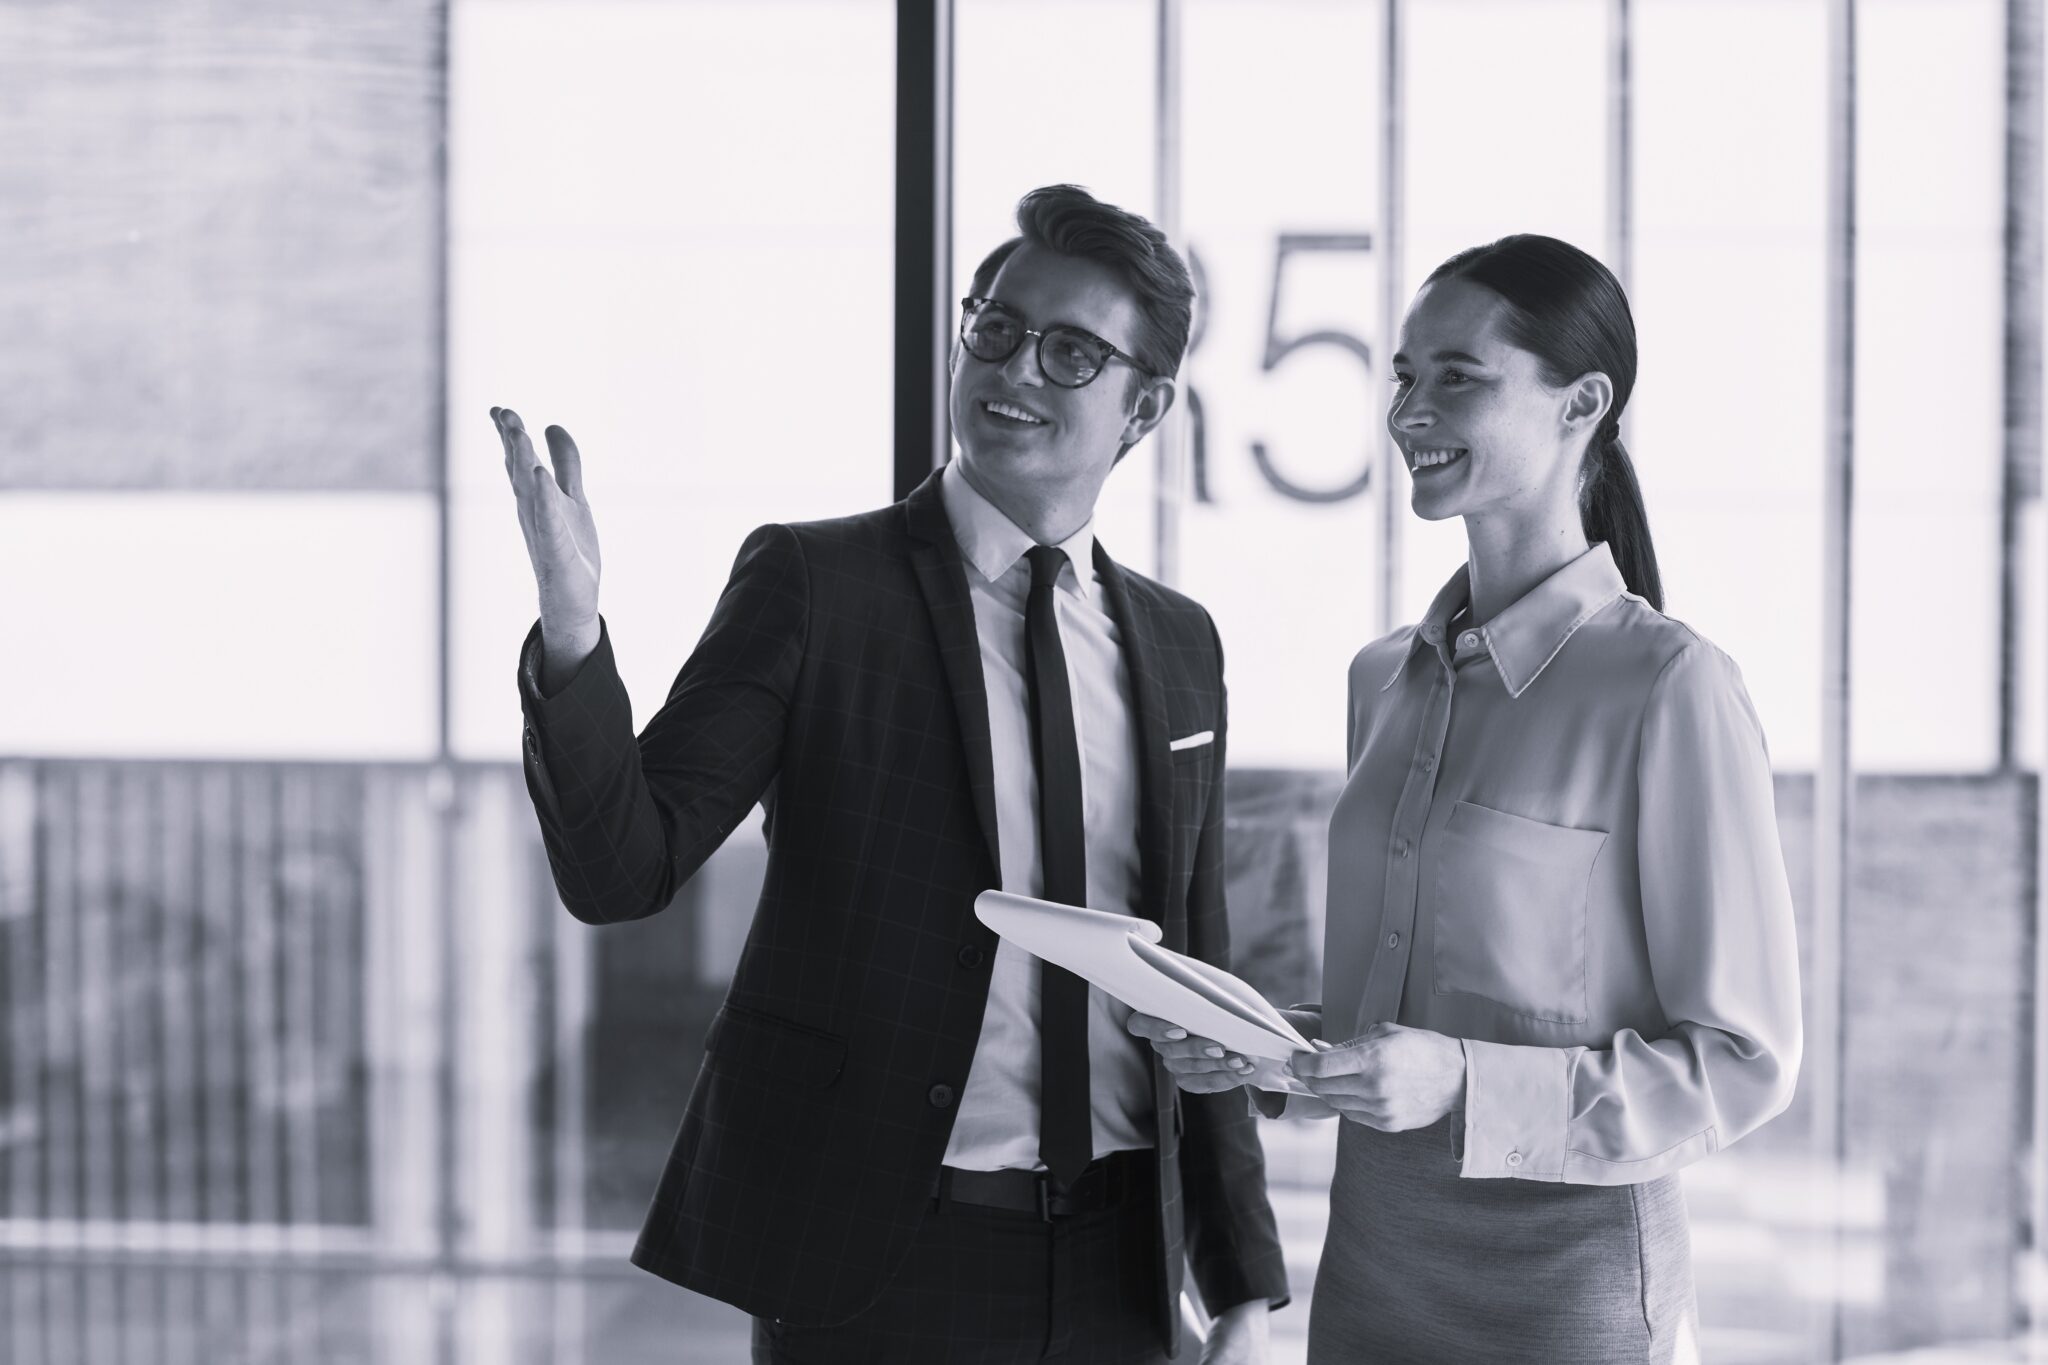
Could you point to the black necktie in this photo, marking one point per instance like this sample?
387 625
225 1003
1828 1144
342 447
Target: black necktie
1066 1139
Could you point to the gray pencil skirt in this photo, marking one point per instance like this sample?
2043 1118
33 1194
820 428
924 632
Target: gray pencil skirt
1422 1265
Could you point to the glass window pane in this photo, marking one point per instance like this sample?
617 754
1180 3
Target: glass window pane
640 202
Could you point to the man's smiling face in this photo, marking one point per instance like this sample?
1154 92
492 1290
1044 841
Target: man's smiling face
1018 431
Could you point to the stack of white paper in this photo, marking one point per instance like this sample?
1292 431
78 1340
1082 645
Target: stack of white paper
1122 955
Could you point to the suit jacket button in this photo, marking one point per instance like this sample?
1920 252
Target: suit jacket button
940 1095
971 956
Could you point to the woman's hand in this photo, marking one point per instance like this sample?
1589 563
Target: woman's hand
1203 1065
1391 1078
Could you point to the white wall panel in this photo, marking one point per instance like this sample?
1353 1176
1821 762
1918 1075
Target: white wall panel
218 625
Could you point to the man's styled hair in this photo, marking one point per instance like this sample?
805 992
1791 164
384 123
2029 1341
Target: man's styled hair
1073 222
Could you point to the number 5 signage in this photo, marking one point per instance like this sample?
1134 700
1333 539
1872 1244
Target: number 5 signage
1286 400
1279 347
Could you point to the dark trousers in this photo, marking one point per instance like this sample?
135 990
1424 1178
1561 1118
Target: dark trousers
987 1286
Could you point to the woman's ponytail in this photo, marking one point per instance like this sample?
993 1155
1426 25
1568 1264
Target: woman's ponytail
1611 510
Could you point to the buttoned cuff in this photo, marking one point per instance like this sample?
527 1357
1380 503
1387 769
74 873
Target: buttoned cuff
1517 1107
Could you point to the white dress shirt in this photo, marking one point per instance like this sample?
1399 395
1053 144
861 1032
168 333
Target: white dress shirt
997 1124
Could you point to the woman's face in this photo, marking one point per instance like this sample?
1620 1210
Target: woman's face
1481 432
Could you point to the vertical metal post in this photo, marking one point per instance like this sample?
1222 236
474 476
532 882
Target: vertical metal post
1833 784
2022 466
1169 494
1620 141
1394 473
2021 488
441 780
924 235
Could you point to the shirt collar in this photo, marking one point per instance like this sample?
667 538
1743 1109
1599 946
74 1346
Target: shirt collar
993 544
1523 639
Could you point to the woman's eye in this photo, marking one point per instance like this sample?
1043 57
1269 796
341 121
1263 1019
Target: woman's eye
1401 381
1455 377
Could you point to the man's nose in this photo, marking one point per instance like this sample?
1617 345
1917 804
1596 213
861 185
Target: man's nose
1021 369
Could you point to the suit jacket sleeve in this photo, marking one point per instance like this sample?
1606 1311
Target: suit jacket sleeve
626 822
1233 1242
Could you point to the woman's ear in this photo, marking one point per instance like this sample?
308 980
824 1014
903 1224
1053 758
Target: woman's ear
1587 401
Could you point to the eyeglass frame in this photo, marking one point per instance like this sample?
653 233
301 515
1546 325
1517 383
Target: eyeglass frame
971 304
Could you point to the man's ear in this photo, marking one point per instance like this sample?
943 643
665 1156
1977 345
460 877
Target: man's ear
1155 400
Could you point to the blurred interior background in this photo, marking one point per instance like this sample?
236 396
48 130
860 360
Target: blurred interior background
299 1057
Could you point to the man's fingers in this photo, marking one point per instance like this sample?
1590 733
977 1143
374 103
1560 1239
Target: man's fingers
1153 1027
548 522
519 452
568 462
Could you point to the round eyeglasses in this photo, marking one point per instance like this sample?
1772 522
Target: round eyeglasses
1068 356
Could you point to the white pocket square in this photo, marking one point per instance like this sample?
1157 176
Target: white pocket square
1194 741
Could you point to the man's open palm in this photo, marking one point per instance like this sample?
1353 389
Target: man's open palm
561 537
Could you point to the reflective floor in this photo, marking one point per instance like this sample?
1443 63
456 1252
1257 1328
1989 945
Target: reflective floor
78 1314
1750 1245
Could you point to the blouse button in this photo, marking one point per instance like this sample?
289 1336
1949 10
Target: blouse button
1429 765
1468 640
1393 940
1514 1158
1401 848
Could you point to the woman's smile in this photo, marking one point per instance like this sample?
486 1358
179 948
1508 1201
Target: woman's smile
1425 461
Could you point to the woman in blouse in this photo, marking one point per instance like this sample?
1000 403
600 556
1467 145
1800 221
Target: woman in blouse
1559 937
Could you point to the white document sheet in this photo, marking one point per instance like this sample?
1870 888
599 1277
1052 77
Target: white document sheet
1122 955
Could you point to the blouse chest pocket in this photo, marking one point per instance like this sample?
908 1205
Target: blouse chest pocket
1510 909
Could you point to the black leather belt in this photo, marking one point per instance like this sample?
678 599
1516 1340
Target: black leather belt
1104 1183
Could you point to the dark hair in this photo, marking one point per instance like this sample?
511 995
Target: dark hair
1073 222
1570 312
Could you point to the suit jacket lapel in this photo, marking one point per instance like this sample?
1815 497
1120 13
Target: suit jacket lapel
1155 777
942 575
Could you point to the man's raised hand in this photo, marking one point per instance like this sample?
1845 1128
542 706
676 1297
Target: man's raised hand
561 542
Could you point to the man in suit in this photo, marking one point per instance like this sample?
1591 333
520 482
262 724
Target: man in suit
910 1141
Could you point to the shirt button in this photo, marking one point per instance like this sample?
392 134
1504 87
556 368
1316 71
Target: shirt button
1393 940
1514 1158
1429 765
942 1096
1468 640
970 956
1400 848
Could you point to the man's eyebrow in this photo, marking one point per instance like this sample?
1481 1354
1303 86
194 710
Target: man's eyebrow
1460 356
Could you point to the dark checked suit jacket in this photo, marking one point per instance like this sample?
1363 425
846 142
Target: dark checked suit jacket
839 682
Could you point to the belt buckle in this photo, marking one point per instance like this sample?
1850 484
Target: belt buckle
1064 1202
1054 1203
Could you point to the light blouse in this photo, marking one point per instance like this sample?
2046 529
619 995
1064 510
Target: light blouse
1557 843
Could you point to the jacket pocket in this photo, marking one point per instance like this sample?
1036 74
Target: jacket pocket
1510 907
766 1049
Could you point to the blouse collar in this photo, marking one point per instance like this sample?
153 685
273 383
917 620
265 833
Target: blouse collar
1523 639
